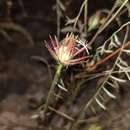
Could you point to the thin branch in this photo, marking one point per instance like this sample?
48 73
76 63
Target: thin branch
107 21
92 67
58 18
109 56
85 17
80 11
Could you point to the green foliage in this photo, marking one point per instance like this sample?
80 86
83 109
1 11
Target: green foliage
94 21
94 127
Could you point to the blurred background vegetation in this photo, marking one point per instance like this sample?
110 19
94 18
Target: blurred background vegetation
26 68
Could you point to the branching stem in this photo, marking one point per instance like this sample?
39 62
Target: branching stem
107 21
109 56
80 11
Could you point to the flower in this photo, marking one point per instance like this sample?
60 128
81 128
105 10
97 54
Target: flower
66 51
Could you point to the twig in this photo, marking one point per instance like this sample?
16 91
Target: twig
107 21
85 17
58 18
80 11
108 57
61 114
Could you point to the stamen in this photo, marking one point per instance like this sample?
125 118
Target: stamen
76 61
51 51
79 51
57 42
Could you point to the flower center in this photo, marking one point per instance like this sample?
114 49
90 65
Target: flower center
63 54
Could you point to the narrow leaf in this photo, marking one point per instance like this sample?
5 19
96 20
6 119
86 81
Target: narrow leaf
118 79
93 109
112 85
108 51
117 40
109 93
100 104
120 66
123 62
57 96
61 87
69 29
127 74
126 51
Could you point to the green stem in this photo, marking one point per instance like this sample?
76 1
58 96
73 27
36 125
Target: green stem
54 82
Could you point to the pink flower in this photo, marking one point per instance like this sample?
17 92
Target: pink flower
66 51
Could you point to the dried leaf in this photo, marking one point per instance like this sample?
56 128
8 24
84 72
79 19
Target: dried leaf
69 29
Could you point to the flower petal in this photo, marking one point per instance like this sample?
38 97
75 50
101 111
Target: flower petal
79 51
76 61
52 52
